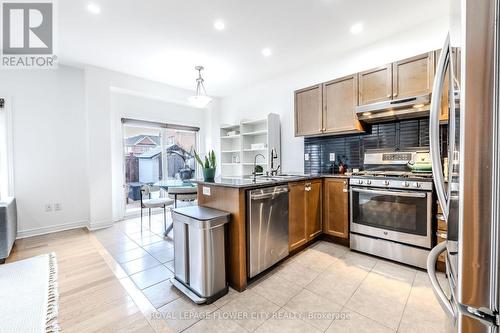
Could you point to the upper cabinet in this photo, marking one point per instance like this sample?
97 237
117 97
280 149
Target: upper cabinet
375 85
328 108
340 98
413 76
309 111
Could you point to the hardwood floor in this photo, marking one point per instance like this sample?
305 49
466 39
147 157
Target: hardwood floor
95 294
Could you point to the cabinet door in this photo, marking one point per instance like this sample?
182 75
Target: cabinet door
340 98
313 208
309 111
336 208
413 76
375 85
297 234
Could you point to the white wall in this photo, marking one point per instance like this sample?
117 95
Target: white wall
276 95
66 130
49 147
104 140
125 105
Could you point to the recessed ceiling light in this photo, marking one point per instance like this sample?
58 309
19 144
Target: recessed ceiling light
219 25
357 28
266 52
93 8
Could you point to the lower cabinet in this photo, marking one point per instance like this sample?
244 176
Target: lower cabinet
305 202
336 207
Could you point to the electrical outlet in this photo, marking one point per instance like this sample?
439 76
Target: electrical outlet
206 190
306 157
57 206
332 157
48 207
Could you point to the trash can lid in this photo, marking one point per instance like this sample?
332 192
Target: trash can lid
201 213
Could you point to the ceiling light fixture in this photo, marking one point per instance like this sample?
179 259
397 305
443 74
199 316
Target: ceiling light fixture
200 100
357 28
266 52
93 8
219 25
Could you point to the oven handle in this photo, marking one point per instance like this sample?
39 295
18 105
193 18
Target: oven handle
383 192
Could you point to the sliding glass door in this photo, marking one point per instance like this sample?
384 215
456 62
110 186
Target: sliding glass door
155 152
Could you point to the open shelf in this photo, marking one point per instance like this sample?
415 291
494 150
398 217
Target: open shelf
264 131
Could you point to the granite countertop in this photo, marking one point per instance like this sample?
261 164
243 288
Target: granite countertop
266 181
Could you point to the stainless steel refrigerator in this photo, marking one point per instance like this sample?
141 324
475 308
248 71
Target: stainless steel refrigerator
467 72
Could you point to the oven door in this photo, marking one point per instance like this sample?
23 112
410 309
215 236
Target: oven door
400 216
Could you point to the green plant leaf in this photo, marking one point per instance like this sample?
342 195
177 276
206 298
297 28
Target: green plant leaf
213 161
207 163
198 159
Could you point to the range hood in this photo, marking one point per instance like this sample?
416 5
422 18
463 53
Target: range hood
404 108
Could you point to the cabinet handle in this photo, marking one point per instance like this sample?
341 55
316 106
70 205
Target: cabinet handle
389 95
320 130
345 182
345 190
395 95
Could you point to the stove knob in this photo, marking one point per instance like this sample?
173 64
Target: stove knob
416 184
386 182
360 182
406 184
368 182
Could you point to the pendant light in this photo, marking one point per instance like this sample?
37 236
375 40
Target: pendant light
200 100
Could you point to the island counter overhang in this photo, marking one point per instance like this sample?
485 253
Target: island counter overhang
230 196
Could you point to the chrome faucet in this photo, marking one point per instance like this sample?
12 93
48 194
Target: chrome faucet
255 164
274 155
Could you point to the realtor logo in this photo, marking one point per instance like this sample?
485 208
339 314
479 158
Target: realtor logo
27 34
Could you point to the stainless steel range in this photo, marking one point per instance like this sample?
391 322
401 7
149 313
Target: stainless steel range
391 207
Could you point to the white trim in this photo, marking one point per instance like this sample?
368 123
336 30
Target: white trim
51 229
99 225
10 148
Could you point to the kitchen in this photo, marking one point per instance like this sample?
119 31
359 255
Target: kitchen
331 167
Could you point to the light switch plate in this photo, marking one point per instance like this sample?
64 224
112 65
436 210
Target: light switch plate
206 191
332 157
306 157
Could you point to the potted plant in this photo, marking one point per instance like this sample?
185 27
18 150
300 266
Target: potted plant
208 166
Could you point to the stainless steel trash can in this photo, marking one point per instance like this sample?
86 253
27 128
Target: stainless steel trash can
199 252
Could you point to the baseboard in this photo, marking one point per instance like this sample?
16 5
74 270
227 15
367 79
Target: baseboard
99 225
51 229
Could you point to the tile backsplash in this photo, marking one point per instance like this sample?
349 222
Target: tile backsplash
396 135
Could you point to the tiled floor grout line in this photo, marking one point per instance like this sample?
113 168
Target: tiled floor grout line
354 292
406 303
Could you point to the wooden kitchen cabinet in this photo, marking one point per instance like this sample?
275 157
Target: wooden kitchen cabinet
413 76
314 201
336 207
309 111
375 85
297 234
304 219
340 98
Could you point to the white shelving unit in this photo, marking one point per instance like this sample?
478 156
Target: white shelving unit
237 154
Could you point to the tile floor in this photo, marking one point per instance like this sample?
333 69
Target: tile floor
326 288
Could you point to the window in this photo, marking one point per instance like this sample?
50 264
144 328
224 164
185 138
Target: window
154 152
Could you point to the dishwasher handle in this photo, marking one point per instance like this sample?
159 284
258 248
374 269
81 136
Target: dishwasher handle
268 195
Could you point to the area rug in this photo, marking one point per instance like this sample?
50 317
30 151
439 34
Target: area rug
29 296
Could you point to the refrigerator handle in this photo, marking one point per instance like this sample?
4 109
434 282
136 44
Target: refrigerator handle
434 142
436 287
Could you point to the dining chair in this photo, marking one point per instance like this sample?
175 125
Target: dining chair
183 194
151 203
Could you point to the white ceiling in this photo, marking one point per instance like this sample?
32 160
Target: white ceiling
163 40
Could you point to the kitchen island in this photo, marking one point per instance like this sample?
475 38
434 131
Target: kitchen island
306 213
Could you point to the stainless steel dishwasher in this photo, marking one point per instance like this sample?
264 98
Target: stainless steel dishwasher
267 227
